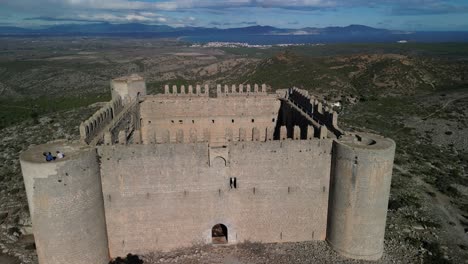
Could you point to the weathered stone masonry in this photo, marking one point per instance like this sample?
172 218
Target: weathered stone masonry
156 172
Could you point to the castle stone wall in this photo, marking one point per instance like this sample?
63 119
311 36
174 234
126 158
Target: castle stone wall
160 197
204 119
128 88
362 172
66 204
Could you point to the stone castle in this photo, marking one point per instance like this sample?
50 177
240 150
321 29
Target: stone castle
193 166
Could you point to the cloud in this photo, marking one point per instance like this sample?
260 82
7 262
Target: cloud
398 7
241 23
435 9
140 17
230 12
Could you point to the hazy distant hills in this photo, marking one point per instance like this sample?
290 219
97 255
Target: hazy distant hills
108 28
264 35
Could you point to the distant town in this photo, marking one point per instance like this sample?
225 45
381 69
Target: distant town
246 45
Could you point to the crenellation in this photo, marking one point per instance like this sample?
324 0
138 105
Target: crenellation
319 108
297 133
283 133
323 132
122 137
310 132
136 137
108 138
233 155
269 133
93 126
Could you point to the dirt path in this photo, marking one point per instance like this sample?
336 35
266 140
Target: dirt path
443 107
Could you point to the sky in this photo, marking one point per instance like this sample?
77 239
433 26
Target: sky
390 14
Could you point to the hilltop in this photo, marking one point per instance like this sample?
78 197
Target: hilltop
361 75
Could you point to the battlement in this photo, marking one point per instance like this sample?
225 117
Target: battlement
241 90
221 91
317 110
198 90
95 125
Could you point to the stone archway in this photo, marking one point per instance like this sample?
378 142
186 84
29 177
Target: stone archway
219 234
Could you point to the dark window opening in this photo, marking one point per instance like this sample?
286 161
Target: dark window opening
233 120
172 121
181 121
233 182
253 120
193 121
273 120
212 121
149 121
219 234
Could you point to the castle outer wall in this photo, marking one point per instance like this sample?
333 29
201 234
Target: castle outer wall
66 204
171 195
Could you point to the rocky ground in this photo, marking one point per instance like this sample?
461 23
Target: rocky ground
424 111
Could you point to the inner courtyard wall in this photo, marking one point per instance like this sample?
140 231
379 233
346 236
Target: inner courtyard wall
165 196
205 119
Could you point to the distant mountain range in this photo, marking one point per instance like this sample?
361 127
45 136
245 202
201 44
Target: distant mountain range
108 28
252 34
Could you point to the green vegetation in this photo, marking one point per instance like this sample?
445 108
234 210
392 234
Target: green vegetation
288 69
414 49
13 111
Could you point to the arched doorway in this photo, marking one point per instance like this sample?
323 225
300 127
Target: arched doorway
219 234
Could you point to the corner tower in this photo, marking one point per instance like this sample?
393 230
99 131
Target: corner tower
359 191
128 88
66 204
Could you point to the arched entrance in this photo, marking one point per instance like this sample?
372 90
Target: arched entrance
219 234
